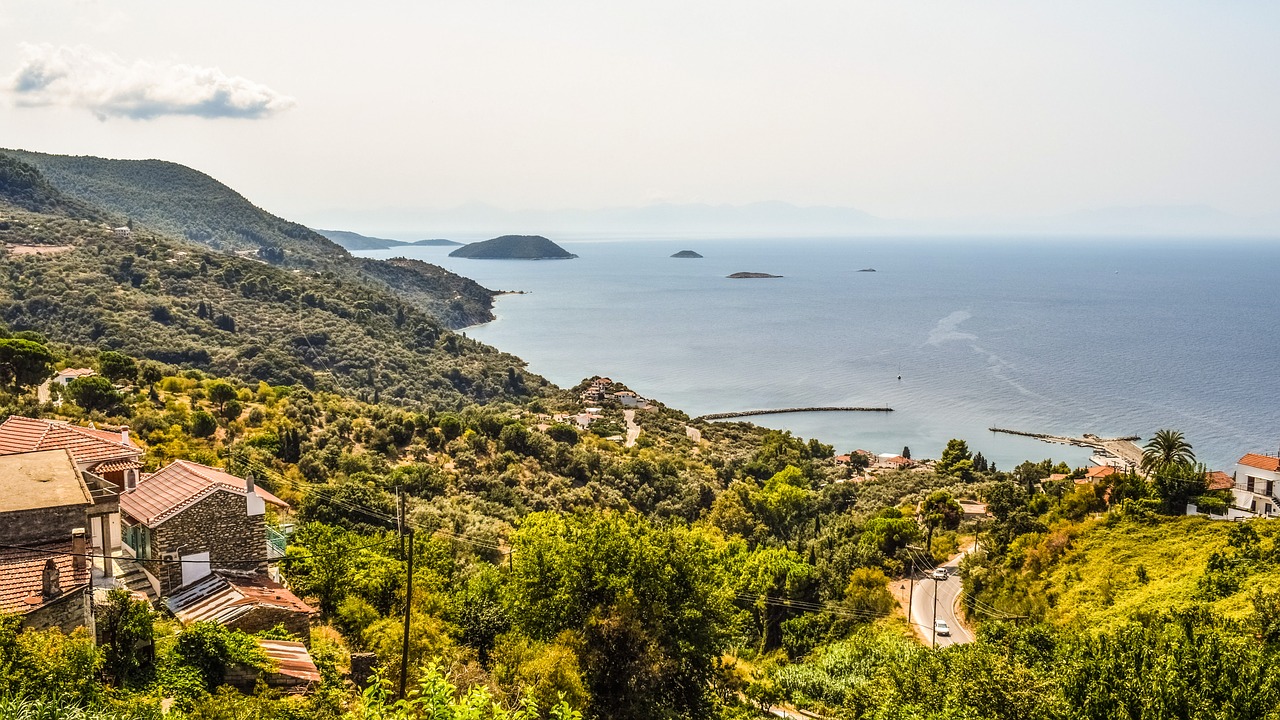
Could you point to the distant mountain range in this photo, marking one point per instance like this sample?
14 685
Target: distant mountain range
780 219
354 242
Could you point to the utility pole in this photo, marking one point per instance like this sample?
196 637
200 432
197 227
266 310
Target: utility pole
408 604
911 593
935 609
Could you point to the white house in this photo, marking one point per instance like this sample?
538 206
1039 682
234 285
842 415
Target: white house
1257 478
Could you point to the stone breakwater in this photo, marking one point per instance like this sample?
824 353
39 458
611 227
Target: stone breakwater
779 411
1123 449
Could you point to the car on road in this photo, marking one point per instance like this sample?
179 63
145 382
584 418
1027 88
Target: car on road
940 628
939 573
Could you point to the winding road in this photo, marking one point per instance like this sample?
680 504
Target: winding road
948 598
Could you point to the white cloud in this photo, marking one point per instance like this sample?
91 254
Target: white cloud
108 86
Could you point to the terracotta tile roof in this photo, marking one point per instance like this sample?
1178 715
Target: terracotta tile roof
223 598
1057 476
1097 472
73 373
179 485
22 575
45 479
116 466
843 459
87 445
1262 462
1219 480
291 660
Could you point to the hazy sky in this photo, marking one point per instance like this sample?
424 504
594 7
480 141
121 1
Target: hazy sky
903 108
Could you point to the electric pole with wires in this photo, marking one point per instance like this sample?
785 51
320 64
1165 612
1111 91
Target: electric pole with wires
407 533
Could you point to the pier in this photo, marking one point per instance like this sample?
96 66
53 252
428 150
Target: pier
779 411
1123 449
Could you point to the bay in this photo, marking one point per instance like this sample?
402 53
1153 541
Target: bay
1063 336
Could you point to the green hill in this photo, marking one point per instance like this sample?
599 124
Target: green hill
355 242
173 200
179 201
24 188
373 329
514 247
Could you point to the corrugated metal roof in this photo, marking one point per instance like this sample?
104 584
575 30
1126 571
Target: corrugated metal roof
291 659
22 574
179 485
223 598
23 434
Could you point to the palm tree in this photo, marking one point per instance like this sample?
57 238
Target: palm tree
1168 448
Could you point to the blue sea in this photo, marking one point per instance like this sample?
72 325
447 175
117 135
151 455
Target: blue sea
1113 337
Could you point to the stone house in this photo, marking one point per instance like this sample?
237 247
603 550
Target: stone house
188 519
109 460
45 570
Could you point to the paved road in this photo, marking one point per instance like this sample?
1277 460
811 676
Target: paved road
633 430
948 592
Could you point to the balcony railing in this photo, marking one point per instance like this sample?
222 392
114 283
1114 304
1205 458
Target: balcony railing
276 542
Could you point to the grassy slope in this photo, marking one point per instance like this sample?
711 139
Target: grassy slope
1095 583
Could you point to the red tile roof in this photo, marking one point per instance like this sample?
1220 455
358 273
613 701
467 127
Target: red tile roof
1262 462
116 466
1219 480
1097 472
179 485
87 445
223 598
75 373
22 576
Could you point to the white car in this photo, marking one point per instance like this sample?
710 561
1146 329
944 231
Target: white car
939 573
940 628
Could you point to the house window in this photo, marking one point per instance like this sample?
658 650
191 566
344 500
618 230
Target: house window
1249 483
1271 486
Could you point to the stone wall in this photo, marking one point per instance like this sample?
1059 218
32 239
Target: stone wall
218 525
67 613
264 618
43 525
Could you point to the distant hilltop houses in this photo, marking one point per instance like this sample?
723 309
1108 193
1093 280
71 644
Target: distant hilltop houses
600 390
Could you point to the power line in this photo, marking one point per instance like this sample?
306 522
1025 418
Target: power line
169 561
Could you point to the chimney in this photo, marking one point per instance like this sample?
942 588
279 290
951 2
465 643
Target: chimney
254 504
124 434
78 549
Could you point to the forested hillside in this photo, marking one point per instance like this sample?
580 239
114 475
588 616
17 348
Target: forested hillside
172 200
179 302
178 201
679 578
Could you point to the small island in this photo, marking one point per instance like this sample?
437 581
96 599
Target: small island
751 275
867 270
434 242
514 247
686 254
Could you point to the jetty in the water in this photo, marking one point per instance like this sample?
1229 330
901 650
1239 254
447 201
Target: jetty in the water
1123 449
779 411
